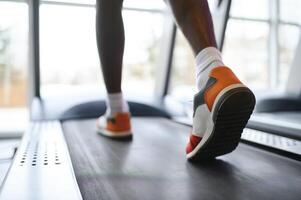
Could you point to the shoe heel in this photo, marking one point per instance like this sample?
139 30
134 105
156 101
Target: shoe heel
232 113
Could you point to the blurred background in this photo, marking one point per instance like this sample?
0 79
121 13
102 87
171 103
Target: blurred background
70 63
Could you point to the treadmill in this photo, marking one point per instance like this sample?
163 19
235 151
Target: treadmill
61 157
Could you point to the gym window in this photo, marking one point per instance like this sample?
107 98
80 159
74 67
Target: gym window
69 57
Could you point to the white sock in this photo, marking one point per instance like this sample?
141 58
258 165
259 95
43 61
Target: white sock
206 60
115 103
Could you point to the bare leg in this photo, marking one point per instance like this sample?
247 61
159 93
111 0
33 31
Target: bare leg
194 19
110 42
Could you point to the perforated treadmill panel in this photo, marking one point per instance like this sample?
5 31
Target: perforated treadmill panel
153 166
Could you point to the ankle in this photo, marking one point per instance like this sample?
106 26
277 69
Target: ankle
116 104
206 60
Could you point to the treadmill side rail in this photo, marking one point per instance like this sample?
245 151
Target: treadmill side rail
42 167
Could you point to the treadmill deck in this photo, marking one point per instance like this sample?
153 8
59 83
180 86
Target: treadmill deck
153 166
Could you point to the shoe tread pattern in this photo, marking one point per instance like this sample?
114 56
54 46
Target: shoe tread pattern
232 113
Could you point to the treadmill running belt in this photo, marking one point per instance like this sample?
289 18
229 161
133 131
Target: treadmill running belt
153 166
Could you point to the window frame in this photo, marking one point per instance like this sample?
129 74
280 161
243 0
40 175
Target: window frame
34 44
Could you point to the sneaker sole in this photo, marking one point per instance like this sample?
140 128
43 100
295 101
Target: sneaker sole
116 135
230 116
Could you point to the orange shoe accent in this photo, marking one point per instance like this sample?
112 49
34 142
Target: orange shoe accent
225 77
121 123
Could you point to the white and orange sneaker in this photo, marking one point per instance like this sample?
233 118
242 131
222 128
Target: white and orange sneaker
118 126
221 111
